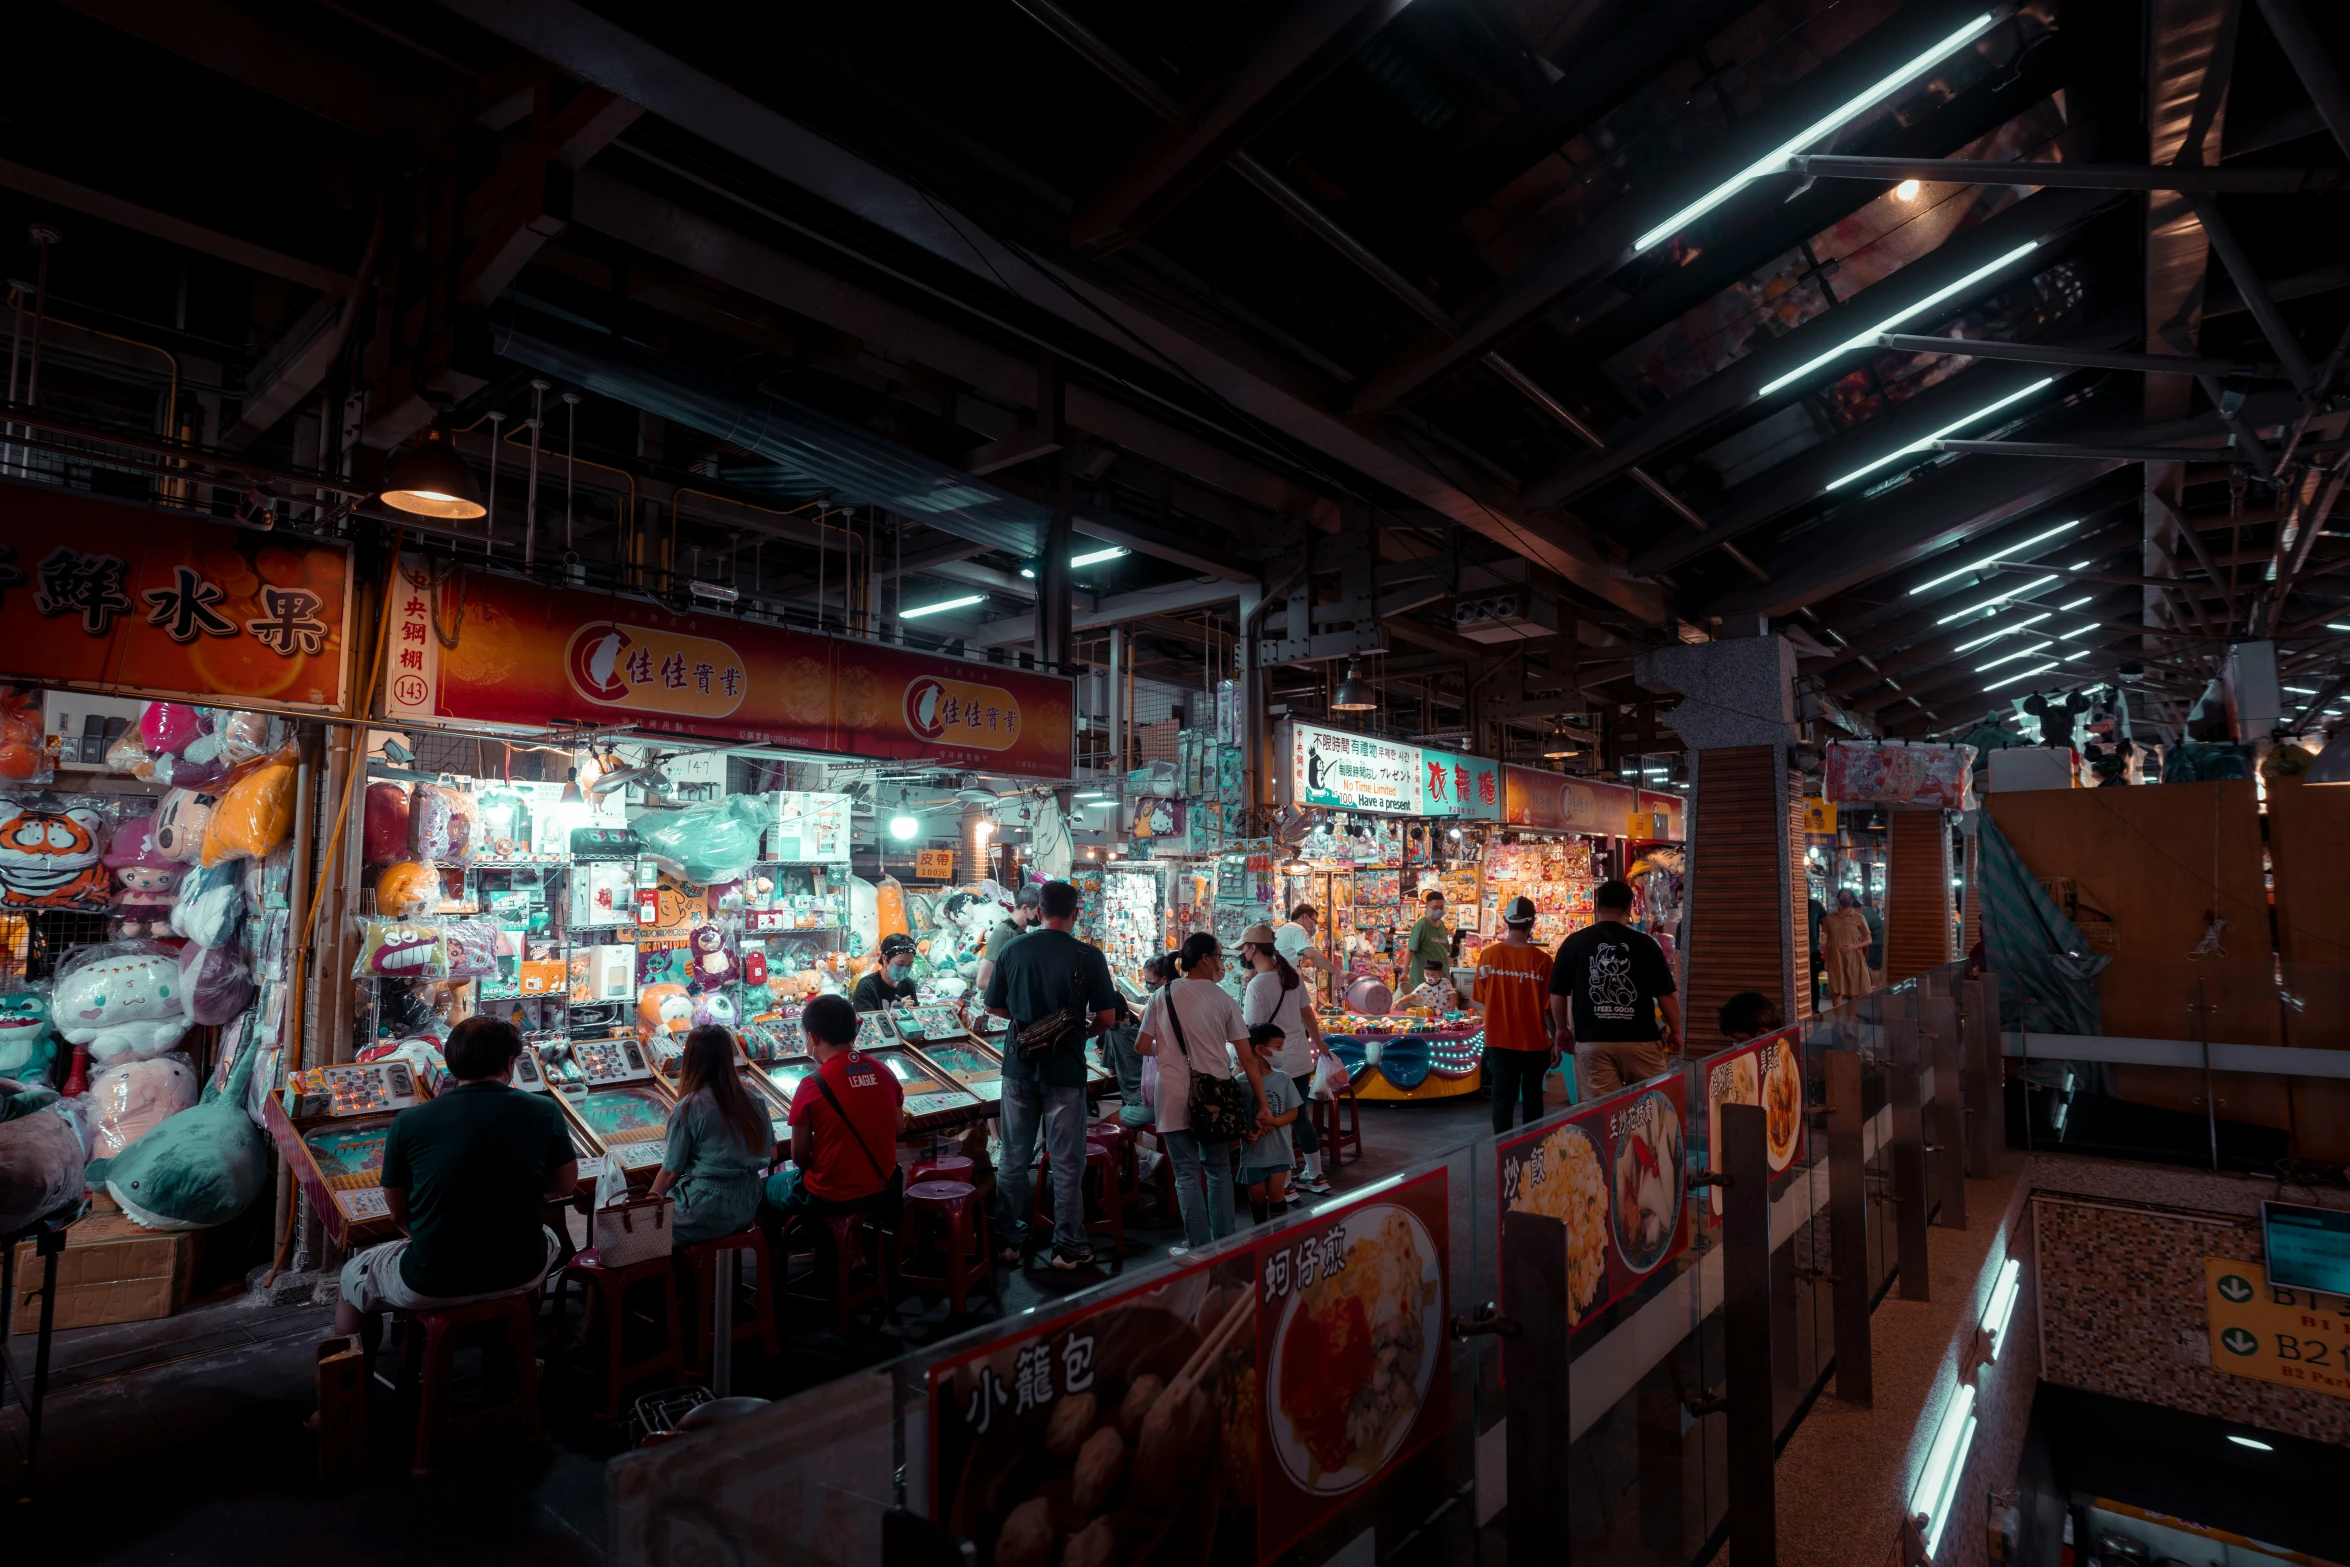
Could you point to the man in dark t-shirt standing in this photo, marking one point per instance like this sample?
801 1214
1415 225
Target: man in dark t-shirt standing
1030 983
1606 988
467 1176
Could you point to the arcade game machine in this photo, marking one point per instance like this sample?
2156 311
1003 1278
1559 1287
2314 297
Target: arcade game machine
935 1098
332 1137
531 1080
940 1033
607 1089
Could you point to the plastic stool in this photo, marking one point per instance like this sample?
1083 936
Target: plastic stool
428 1355
1337 1138
947 1215
702 1258
855 1238
1162 1175
1120 1137
603 1341
1101 1168
945 1167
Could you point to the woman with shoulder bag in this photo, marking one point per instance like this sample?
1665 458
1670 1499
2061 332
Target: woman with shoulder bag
1204 1110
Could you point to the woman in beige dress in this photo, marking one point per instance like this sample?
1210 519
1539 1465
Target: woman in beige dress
1844 936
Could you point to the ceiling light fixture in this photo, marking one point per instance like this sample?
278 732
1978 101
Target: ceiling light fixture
2077 631
2254 1443
431 480
1907 190
2009 658
1096 557
2080 565
2033 586
2009 553
942 606
1924 442
1993 636
2077 603
1868 338
1354 693
2026 675
1775 161
2083 653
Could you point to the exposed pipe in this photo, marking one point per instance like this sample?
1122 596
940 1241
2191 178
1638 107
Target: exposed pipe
530 494
489 524
43 236
570 461
2181 177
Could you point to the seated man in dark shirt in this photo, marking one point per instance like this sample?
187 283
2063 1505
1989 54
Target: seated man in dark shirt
467 1176
893 981
844 1121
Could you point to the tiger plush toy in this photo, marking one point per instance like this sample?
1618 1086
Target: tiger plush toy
49 856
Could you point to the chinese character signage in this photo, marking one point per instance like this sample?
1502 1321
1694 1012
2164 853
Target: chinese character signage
1612 1174
1463 786
1351 772
1765 1072
1221 1413
1533 797
102 593
530 656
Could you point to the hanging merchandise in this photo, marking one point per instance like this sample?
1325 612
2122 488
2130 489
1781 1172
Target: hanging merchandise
1898 774
50 850
146 880
199 1168
131 1100
181 822
709 845
410 887
121 1001
27 1043
384 824
1558 873
402 949
214 983
255 813
209 905
24 748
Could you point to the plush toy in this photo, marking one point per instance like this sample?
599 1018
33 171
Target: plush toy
243 737
199 1168
407 888
26 1044
168 728
214 983
714 1007
402 949
718 842
142 903
49 856
209 908
40 1155
430 835
185 744
465 832
122 1001
383 830
131 1100
663 1009
254 815
180 823
129 755
713 965
24 745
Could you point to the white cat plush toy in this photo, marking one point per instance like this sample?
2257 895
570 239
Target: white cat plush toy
123 1003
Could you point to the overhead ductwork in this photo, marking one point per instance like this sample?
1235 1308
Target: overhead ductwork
810 453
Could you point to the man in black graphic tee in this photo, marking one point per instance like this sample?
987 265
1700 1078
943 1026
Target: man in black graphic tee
1606 988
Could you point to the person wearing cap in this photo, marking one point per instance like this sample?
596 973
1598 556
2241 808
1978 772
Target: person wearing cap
1429 941
1511 988
893 981
1026 910
1275 995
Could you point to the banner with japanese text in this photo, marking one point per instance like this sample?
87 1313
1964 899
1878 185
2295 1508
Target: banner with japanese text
1351 772
1218 1413
489 649
1612 1173
154 602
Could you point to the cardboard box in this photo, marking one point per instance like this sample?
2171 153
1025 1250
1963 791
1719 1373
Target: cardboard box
110 1271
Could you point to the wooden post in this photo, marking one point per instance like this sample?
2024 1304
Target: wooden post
1746 1335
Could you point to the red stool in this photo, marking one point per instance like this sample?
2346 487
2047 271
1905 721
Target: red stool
945 1218
945 1167
1120 1137
1336 1139
1108 1215
428 1356
702 1259
855 1239
602 1347
1162 1175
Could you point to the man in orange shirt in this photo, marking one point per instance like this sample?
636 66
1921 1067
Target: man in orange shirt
1512 990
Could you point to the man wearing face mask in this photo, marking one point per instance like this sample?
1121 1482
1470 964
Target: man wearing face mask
890 983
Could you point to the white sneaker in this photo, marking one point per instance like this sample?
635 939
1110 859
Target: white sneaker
1179 1251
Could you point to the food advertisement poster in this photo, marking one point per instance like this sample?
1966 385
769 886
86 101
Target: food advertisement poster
106 594
1766 1072
1613 1173
494 650
1219 1414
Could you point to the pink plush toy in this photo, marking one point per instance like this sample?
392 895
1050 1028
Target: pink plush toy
148 880
131 1100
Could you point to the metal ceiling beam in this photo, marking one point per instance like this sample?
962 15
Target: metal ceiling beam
2073 449
2082 358
1272 393
1308 40
928 557
1604 242
2077 176
2313 62
1123 608
171 229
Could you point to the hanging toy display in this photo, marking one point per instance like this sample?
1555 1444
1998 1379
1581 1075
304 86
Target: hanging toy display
121 1001
49 856
24 749
147 880
26 1043
713 964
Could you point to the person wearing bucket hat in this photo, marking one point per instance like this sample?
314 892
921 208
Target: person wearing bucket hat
1275 995
1511 989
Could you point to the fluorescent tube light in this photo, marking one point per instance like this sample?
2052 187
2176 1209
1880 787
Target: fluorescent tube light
1775 161
2300 690
1937 1488
2254 1443
943 605
2009 553
2335 626
2080 565
1925 441
2085 598
2077 631
1868 338
2032 586
2009 658
2002 1306
2069 657
1096 557
1993 636
2026 675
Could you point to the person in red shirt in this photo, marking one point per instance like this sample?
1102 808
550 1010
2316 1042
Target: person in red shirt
1512 989
845 1117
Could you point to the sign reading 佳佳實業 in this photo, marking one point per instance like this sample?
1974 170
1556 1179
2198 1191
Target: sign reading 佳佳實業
528 656
2297 1337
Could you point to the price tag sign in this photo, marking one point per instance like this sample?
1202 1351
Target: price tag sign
934 865
2271 1333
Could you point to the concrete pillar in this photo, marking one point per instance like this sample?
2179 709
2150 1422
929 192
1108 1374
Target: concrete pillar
1052 594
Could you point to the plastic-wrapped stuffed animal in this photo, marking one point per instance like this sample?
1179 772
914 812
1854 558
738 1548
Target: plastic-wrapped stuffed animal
123 1001
214 983
142 903
26 1042
713 965
210 906
133 1099
40 1154
199 1168
384 826
714 1007
254 815
180 823
663 1009
24 745
49 856
715 843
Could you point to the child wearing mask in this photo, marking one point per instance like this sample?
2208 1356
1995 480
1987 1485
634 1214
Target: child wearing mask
1265 1162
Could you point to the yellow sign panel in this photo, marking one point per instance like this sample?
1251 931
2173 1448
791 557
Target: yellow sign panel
934 864
642 668
1819 816
2297 1337
961 712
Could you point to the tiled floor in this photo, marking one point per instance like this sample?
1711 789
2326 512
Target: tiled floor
180 1441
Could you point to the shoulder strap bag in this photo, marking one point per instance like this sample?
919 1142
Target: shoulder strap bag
893 1184
1069 1026
1219 1108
